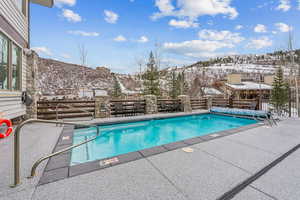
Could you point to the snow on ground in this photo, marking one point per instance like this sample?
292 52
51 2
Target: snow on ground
245 85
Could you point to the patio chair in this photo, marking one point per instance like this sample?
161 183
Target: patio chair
176 107
119 110
163 106
138 108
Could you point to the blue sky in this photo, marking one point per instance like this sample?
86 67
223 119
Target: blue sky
118 33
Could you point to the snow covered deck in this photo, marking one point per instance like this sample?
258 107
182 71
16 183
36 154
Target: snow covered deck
212 169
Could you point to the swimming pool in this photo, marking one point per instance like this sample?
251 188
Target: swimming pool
123 138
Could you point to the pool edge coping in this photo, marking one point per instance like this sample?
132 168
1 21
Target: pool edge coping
58 167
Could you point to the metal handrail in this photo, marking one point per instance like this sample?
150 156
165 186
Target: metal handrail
17 146
63 104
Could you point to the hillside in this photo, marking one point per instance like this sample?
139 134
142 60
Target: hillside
59 78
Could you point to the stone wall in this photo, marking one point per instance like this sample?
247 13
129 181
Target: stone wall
151 104
102 106
31 84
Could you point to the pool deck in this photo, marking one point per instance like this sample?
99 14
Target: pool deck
215 167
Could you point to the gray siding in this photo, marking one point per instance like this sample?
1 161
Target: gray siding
14 17
10 102
11 105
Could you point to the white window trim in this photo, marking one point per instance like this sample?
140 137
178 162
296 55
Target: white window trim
21 70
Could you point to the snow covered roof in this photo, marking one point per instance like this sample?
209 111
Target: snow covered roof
250 86
212 91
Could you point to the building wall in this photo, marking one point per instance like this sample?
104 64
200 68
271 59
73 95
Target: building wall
234 78
14 25
15 17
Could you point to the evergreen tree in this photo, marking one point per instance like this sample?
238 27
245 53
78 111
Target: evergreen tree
280 91
117 92
173 85
151 77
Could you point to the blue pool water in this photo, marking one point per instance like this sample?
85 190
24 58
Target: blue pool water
119 139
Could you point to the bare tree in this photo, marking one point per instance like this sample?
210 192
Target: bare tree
140 61
82 54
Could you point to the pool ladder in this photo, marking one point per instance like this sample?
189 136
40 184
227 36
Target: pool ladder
17 161
270 120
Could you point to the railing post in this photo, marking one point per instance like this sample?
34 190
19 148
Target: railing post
186 103
151 104
290 103
102 107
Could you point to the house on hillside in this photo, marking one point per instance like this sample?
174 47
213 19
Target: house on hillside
14 53
235 87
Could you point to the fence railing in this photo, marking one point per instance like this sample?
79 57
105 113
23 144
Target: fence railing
198 104
220 102
169 105
65 109
127 107
74 108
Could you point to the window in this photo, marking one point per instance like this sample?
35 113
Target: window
16 67
10 65
3 62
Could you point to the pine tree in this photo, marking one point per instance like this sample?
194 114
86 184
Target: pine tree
151 77
117 92
173 85
280 91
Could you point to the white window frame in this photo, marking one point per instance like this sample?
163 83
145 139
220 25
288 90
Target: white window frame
10 43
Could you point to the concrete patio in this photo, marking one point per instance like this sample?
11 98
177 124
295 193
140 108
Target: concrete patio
215 167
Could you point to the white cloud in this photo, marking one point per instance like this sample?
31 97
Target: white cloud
225 36
260 43
71 16
174 61
84 33
260 28
60 3
207 46
193 9
239 27
196 48
183 24
298 4
143 39
110 16
120 38
284 5
65 56
282 27
42 50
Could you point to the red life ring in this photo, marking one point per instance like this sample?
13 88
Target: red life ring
9 129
